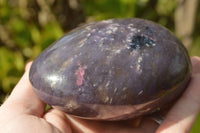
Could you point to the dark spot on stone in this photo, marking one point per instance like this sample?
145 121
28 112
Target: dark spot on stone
149 31
140 41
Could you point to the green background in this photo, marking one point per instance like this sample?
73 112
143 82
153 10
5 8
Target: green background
27 27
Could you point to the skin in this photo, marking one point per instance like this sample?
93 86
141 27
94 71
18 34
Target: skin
24 112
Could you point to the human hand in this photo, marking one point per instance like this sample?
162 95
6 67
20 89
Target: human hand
23 111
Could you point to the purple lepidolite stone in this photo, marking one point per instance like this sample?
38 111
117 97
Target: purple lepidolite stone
112 70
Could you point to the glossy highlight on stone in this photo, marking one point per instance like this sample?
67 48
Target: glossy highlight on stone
112 70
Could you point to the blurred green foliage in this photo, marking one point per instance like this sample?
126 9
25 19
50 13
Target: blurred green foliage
27 27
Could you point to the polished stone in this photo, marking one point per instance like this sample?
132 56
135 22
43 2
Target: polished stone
112 70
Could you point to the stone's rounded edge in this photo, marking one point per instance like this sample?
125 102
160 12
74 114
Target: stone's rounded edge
99 112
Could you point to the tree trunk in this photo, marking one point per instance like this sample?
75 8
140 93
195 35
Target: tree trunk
185 16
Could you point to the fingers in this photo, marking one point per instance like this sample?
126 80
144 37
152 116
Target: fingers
91 126
184 113
148 125
23 98
58 119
